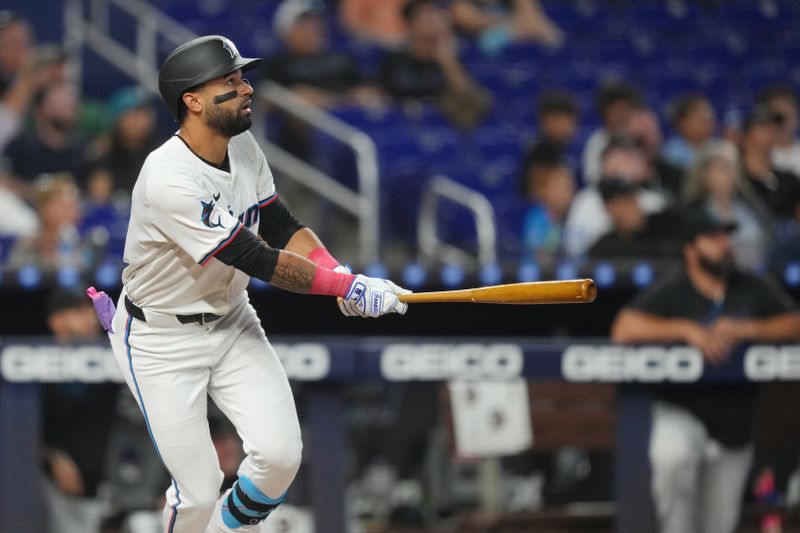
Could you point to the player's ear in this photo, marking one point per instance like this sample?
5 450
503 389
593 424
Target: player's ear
192 101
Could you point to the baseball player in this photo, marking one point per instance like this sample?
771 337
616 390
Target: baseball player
205 217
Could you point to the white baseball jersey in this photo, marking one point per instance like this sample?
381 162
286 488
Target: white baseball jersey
184 210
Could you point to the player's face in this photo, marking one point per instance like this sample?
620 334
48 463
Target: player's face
231 117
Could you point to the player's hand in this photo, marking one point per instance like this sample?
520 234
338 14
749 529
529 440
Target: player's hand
373 297
66 474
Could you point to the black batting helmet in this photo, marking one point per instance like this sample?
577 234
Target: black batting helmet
196 62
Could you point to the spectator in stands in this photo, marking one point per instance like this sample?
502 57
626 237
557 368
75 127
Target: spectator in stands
24 70
58 243
550 192
306 65
694 122
429 69
715 184
615 103
701 437
644 129
557 116
779 190
76 427
311 71
497 23
588 219
634 234
53 145
781 101
379 22
133 136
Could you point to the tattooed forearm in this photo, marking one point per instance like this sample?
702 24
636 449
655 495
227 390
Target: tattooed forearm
293 273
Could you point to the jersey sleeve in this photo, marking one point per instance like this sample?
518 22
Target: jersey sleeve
190 217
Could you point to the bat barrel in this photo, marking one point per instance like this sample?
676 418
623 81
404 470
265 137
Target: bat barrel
542 292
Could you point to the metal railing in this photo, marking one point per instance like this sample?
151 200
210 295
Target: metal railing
430 244
364 202
87 25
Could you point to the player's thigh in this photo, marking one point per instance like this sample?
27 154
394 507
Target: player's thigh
250 386
168 372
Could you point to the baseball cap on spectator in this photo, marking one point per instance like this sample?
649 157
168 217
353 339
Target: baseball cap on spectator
61 299
700 222
612 187
290 11
124 99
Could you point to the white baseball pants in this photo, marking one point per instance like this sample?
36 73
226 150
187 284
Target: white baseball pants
698 485
170 367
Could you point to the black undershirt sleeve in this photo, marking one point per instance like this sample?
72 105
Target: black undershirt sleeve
277 224
251 255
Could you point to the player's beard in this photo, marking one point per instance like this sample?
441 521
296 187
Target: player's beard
228 123
720 268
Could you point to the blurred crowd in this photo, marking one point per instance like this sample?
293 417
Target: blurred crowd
68 166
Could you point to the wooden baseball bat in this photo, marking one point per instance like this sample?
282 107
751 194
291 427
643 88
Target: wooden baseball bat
574 291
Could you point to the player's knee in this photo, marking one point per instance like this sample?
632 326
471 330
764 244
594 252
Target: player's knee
280 457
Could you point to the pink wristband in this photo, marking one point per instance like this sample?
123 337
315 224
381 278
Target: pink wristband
323 258
331 283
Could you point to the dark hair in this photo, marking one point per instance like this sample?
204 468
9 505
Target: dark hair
183 111
620 143
558 102
616 92
413 6
685 105
767 94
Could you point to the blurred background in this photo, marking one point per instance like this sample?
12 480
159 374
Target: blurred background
444 144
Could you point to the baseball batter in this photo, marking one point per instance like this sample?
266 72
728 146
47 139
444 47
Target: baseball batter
184 327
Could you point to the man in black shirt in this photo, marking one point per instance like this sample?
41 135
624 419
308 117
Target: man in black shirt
429 69
76 428
701 439
54 144
305 64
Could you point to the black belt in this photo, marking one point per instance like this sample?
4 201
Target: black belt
136 312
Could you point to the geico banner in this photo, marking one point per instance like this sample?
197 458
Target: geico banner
56 363
52 363
405 362
619 364
772 363
304 361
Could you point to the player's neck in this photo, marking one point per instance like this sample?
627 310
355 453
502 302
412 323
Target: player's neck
205 142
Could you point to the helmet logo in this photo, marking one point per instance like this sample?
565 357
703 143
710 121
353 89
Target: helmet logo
230 47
